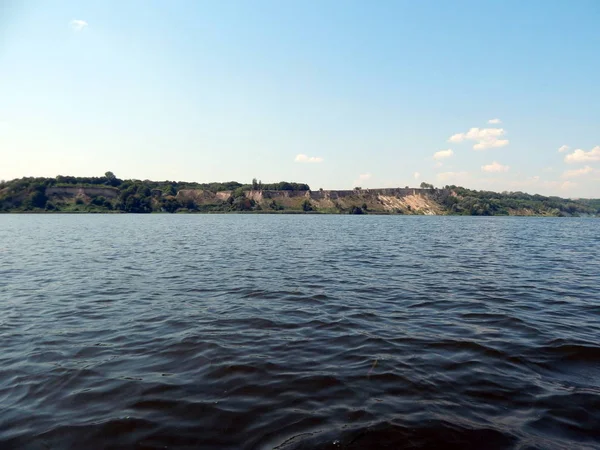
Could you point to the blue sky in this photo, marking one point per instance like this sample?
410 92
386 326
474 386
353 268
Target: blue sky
332 93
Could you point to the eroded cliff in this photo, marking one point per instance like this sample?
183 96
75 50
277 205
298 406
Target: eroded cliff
399 201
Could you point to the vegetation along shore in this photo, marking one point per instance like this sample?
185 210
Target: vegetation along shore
111 194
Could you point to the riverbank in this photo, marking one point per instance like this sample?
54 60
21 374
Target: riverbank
111 195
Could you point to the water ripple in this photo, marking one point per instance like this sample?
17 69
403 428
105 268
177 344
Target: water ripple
303 332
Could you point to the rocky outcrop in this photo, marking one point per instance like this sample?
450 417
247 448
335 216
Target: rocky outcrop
392 192
203 197
393 200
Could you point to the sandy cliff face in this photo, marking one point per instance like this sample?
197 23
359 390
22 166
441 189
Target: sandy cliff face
202 197
404 201
399 200
417 203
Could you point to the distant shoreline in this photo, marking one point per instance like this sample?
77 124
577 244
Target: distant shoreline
109 194
284 213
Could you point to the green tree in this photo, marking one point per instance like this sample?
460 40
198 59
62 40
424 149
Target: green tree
170 204
242 204
111 179
98 201
191 205
169 189
237 193
38 199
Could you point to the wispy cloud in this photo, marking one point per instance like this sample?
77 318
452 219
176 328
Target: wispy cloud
301 158
583 156
452 177
416 175
494 121
442 154
580 172
485 138
495 167
77 24
563 148
362 178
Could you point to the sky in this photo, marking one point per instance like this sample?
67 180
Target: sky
494 95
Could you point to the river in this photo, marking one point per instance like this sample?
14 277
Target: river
299 332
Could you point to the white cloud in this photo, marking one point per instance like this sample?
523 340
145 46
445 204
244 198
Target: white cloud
582 156
438 164
363 177
580 172
416 175
494 121
443 154
495 167
492 143
78 25
308 159
549 187
563 148
485 138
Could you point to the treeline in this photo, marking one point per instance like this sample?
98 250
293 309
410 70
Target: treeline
461 201
109 179
134 196
146 196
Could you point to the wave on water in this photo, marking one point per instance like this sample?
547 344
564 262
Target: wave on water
288 333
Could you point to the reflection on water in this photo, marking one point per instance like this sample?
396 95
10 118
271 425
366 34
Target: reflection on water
298 332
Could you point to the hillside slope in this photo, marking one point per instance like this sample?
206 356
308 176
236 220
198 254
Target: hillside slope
110 194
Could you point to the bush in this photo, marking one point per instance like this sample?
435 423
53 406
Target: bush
242 204
191 205
98 201
38 199
273 205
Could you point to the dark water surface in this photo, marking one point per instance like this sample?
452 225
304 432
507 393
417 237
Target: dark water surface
299 332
